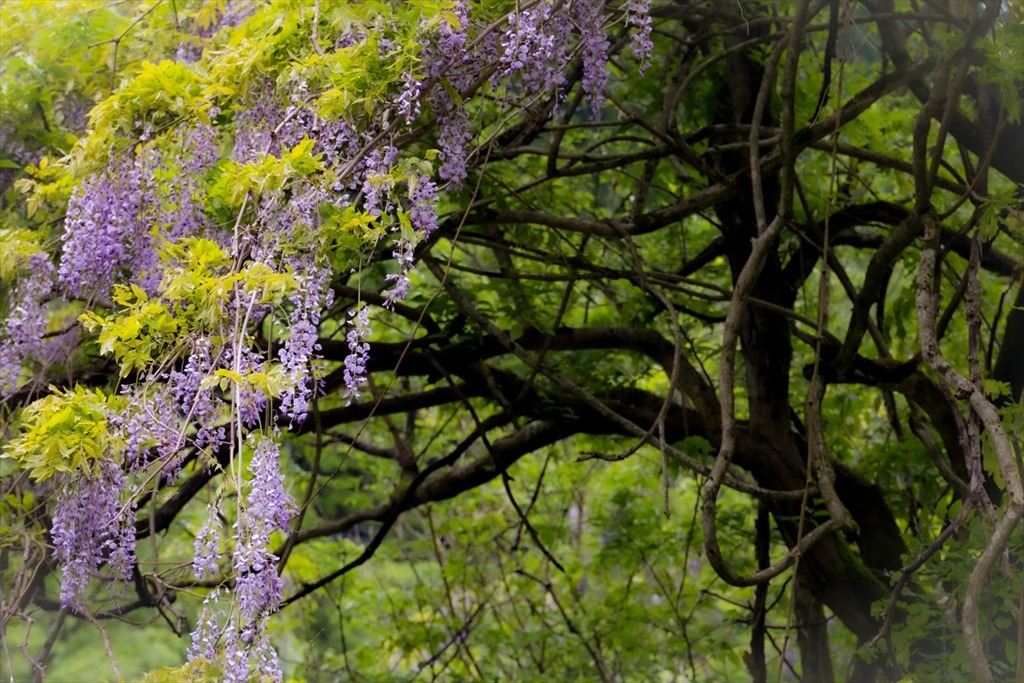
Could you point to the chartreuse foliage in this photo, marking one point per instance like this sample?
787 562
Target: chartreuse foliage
65 432
198 285
19 246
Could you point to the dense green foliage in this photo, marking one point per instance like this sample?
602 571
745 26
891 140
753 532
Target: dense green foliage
711 370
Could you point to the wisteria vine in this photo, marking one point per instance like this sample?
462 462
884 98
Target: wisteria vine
214 299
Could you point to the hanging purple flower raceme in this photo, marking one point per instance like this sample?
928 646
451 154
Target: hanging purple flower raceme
534 49
423 218
268 508
455 132
312 295
423 198
92 526
299 118
184 215
207 630
150 429
409 98
21 336
258 587
117 220
207 548
590 21
358 352
338 142
375 193
525 43
447 59
296 355
403 255
255 120
105 225
249 401
199 406
638 16
452 39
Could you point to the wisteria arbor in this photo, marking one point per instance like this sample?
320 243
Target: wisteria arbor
315 276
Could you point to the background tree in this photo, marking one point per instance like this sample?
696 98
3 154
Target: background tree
546 340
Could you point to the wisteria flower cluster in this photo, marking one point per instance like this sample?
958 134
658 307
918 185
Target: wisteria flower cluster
105 225
358 352
197 404
21 337
590 20
268 508
535 49
638 16
90 530
117 219
300 349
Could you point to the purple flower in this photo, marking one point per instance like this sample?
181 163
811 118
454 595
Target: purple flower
409 98
590 20
295 356
199 406
258 586
454 135
206 632
268 508
404 258
149 429
423 214
255 118
89 529
534 50
249 401
207 548
448 59
377 163
21 337
105 222
301 348
358 352
638 15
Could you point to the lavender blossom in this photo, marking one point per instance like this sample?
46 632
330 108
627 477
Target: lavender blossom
452 40
409 98
206 632
454 136
249 401
590 20
258 586
448 59
183 213
301 348
105 221
149 431
423 218
90 529
198 405
207 549
403 255
21 337
638 15
358 352
375 194
423 214
255 119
